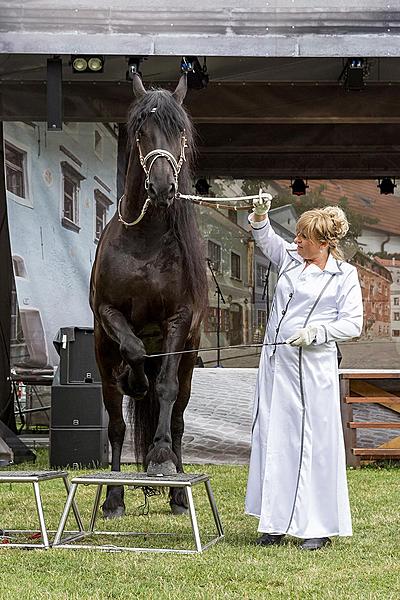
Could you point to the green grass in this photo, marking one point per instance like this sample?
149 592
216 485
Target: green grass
366 566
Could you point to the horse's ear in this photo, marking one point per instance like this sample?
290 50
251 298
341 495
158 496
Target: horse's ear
181 89
137 86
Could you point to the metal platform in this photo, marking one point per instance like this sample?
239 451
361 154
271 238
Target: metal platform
137 480
34 477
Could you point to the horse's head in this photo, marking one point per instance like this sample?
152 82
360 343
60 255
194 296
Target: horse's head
158 125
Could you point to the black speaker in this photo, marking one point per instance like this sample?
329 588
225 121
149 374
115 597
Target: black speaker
77 406
78 448
78 426
75 346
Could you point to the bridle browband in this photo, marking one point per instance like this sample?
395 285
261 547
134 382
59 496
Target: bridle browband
147 163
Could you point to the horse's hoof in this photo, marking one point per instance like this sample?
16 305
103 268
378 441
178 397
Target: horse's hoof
115 513
178 509
164 468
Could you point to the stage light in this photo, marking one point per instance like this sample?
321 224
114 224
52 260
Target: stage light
197 76
298 186
95 64
134 63
54 94
354 73
202 187
79 64
386 185
87 64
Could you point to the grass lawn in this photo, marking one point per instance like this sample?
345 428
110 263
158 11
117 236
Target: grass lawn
366 566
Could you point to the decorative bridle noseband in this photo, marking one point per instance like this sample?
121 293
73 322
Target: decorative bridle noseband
147 163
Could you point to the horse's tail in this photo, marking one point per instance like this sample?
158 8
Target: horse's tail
143 416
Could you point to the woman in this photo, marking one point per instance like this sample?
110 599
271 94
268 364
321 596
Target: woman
297 479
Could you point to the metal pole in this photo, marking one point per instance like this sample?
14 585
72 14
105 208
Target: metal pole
218 329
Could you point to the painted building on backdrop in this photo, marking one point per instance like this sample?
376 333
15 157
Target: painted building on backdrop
61 192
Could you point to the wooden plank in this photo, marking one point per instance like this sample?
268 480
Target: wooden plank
393 443
364 388
370 374
377 452
372 400
372 425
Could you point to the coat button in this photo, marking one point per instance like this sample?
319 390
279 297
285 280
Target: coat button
291 295
284 312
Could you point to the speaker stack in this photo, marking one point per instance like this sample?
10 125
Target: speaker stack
78 427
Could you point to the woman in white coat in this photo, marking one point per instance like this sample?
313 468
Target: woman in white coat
297 479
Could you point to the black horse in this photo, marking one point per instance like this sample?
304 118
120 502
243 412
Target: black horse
149 290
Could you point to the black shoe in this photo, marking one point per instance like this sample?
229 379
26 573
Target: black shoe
267 539
315 543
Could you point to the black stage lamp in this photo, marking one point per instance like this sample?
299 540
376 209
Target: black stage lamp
354 74
134 63
386 185
87 64
202 187
54 94
298 186
197 76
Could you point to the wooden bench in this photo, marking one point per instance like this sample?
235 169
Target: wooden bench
367 387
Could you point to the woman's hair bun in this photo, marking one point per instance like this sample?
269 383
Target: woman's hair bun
339 220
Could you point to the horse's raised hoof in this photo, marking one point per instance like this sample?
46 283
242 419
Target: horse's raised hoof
129 386
165 468
178 509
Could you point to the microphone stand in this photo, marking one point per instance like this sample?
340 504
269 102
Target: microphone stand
219 296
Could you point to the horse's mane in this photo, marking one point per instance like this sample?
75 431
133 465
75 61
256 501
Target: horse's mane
173 119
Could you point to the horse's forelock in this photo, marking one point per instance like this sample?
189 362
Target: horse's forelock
168 115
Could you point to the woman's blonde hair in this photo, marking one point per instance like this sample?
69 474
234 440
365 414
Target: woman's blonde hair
328 224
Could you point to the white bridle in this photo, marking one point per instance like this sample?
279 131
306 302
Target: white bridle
147 163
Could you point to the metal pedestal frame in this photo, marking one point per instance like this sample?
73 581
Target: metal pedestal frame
186 481
36 477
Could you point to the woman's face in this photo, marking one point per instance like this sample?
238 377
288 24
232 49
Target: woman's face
308 249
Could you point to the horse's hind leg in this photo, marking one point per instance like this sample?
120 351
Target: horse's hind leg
107 356
178 499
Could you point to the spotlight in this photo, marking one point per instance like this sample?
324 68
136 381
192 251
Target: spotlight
87 64
197 76
386 185
202 187
353 74
134 66
298 186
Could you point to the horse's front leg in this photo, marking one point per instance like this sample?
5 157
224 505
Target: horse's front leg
161 459
133 381
107 357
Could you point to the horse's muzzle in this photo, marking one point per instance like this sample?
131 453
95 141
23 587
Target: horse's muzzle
161 195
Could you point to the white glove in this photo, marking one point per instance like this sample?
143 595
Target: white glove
262 205
303 337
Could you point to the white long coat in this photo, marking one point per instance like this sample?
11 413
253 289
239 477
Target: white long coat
297 480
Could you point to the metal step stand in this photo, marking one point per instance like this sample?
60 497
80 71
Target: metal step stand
137 480
35 478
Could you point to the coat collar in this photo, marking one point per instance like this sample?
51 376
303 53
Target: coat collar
333 265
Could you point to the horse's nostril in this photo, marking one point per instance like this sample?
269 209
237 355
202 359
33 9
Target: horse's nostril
152 190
